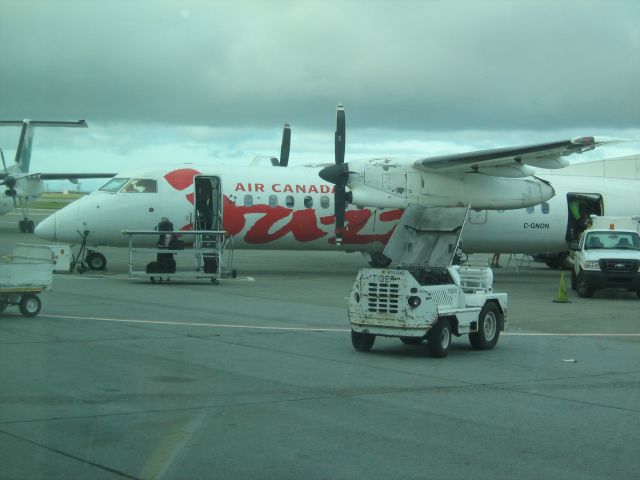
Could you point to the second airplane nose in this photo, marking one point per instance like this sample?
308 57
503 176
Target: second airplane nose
47 228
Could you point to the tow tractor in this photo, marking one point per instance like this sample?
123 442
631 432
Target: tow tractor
432 300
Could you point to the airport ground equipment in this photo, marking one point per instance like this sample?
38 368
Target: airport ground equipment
607 255
23 275
416 303
427 297
211 252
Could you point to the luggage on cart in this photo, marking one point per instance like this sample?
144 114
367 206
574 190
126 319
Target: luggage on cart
165 263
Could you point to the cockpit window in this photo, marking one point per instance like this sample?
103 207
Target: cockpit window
113 185
141 185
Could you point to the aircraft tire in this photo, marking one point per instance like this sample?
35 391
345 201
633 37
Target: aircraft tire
439 338
565 264
22 226
552 263
29 226
363 342
96 261
30 305
488 332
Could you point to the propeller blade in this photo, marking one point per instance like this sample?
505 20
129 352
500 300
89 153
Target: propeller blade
4 165
339 210
340 134
286 145
339 172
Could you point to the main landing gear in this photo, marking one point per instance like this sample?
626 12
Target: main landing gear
26 225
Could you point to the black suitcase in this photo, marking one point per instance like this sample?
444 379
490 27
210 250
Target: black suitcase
154 267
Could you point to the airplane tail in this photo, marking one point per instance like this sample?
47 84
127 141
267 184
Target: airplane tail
23 152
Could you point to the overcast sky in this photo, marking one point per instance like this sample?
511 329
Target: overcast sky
215 80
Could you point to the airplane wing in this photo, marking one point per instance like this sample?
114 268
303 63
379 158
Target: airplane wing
63 176
543 155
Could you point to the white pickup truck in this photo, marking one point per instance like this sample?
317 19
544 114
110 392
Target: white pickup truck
607 255
416 303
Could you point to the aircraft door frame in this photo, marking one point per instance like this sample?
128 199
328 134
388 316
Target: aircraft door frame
594 203
207 202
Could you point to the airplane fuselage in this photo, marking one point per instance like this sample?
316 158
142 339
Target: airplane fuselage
292 208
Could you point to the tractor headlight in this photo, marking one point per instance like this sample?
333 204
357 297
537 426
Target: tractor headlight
414 301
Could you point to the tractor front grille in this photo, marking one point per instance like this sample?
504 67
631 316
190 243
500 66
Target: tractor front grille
382 297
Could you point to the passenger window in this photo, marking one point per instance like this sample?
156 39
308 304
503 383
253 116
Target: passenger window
308 202
273 201
248 200
529 209
324 201
289 202
545 208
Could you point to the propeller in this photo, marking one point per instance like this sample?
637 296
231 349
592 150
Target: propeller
338 174
285 147
9 181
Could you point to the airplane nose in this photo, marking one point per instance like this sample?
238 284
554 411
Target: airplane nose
47 228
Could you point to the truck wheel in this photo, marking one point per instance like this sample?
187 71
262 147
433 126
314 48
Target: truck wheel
30 305
582 287
488 328
439 338
362 341
411 340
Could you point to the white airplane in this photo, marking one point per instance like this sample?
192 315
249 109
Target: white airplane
305 207
22 186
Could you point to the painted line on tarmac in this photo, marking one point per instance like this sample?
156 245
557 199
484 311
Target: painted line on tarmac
192 324
533 334
313 329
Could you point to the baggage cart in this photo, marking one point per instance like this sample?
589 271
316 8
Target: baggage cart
211 250
23 275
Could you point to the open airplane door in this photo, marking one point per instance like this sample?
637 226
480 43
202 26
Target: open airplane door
207 203
427 235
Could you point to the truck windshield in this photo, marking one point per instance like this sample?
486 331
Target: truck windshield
612 240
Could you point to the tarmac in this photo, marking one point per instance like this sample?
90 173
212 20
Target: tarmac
256 378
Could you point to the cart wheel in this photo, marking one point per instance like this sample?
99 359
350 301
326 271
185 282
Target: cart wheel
30 305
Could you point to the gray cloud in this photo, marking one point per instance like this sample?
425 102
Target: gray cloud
413 65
